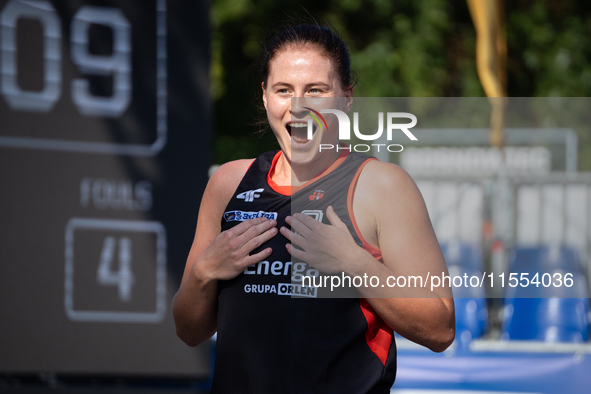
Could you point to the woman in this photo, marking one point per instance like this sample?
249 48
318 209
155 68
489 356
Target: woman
369 219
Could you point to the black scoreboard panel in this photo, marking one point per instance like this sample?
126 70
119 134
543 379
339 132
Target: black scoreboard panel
104 149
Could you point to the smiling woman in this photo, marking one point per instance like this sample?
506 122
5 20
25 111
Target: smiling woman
352 215
303 65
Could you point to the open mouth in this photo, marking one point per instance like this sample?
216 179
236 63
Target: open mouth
298 131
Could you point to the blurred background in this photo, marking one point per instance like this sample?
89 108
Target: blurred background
424 48
113 112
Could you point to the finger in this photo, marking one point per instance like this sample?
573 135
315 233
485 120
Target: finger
295 238
258 240
256 230
301 228
247 224
333 218
286 232
255 258
297 253
308 220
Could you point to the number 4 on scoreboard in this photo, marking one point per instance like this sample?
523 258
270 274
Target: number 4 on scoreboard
123 277
110 243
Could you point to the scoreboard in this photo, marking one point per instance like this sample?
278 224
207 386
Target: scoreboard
105 142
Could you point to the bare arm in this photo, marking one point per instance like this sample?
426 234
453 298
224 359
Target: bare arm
409 247
392 216
216 255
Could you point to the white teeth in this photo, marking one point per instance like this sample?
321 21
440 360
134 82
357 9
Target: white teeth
297 131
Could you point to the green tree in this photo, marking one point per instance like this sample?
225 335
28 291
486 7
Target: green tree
403 48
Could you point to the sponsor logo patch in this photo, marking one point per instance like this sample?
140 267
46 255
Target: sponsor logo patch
297 290
241 216
250 195
316 194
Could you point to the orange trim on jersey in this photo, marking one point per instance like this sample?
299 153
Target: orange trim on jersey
379 335
375 252
285 190
289 190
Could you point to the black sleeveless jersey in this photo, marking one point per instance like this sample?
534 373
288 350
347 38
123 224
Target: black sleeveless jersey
270 341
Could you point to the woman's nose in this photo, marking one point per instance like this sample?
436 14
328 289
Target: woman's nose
297 107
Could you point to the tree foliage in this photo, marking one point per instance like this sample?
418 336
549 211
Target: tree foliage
402 48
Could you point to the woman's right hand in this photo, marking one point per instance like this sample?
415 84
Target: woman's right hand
229 253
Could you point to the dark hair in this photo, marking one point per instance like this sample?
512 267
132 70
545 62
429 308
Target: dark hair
328 42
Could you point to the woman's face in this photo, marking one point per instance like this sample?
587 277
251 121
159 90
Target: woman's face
301 71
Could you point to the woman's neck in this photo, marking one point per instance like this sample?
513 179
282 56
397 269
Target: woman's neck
287 173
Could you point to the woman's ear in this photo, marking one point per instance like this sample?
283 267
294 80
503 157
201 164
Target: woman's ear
264 94
348 94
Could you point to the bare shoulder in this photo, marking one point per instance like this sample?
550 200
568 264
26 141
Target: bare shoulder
221 187
386 180
219 191
385 197
390 196
228 176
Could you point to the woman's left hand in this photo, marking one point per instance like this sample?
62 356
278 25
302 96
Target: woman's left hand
328 248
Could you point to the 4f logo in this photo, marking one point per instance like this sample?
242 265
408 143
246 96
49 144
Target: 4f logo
316 194
250 195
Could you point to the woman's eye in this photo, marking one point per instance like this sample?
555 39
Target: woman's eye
283 91
314 91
